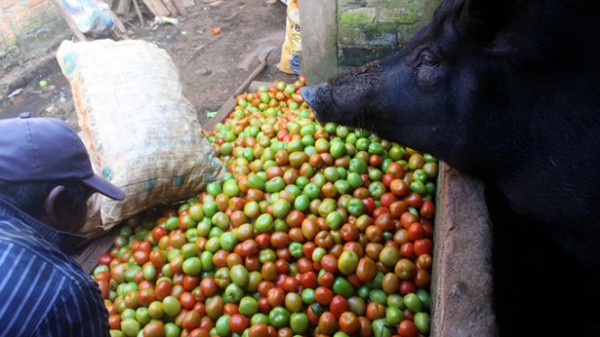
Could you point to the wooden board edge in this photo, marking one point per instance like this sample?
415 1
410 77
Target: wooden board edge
462 284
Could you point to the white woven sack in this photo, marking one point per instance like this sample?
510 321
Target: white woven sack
140 131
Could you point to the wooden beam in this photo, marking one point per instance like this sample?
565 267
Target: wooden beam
156 7
180 7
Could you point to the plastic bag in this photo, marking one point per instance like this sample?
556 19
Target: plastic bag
89 17
292 46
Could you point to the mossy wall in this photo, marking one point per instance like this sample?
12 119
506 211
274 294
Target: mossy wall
372 29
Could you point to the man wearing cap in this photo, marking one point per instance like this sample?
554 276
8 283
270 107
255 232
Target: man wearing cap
46 179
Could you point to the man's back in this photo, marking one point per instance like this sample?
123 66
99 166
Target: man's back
43 291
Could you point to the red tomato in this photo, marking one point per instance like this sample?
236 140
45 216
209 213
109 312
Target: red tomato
407 328
105 259
338 305
162 290
238 323
308 279
323 295
328 323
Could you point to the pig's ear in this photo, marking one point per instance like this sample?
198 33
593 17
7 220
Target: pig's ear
501 26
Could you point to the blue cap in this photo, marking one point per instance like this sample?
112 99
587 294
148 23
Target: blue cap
42 149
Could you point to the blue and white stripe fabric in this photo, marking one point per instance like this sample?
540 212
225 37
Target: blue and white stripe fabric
43 291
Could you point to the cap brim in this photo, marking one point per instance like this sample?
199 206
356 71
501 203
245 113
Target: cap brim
104 187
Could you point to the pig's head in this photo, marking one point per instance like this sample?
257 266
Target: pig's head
422 95
504 89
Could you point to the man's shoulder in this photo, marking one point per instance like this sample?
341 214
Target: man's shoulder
23 248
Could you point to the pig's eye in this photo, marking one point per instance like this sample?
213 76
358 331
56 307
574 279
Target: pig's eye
428 60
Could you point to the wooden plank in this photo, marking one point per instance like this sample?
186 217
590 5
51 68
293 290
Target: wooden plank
169 5
462 280
88 258
123 7
156 7
180 7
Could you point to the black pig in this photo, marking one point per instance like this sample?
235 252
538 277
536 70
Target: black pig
509 91
506 90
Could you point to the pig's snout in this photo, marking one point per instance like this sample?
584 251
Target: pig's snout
311 96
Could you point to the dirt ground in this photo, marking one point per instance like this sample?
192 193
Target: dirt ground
211 66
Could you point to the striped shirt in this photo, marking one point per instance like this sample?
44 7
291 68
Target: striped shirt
43 291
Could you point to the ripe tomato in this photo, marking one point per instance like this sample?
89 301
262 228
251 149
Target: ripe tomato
348 322
208 286
338 305
162 290
423 246
258 330
328 323
105 259
154 329
191 320
329 262
276 297
323 295
375 310
238 323
407 328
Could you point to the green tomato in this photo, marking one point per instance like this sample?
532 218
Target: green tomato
380 329
423 322
248 306
214 188
347 262
393 315
302 202
308 296
222 326
279 317
299 323
281 208
337 149
424 297
312 191
341 286
231 188
296 249
334 220
264 223
228 240
275 185
233 293
171 305
356 207
192 266
130 327
342 186
357 165
209 208
172 330
142 315
259 318
378 295
413 303
239 275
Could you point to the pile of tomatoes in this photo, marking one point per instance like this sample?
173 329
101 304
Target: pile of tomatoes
316 230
